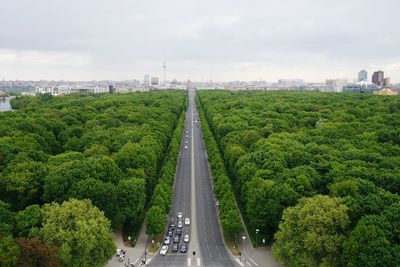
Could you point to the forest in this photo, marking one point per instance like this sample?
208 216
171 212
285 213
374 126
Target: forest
318 174
86 164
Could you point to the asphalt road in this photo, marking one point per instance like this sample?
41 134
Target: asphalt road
196 203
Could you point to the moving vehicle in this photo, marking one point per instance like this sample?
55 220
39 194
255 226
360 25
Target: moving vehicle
186 238
170 233
179 215
185 147
179 231
187 221
164 250
175 248
177 238
183 248
180 224
167 240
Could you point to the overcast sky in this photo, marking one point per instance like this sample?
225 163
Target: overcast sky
200 40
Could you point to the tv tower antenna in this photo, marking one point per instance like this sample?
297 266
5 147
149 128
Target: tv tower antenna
165 69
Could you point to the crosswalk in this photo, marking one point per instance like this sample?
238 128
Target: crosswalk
190 260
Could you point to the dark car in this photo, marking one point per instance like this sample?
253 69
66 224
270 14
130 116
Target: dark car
183 248
179 231
177 238
175 248
172 226
170 233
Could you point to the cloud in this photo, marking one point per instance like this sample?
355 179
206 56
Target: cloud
225 39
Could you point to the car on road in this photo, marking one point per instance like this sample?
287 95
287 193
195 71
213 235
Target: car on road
179 215
183 248
185 147
179 231
187 221
177 238
170 233
186 142
186 238
164 250
180 224
175 248
172 226
167 240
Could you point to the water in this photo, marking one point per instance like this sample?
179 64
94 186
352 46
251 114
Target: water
5 103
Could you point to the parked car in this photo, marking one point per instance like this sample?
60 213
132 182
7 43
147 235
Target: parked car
164 250
186 238
187 221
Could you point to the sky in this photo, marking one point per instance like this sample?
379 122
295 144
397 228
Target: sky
219 40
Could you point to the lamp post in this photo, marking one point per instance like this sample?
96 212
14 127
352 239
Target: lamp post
129 240
257 230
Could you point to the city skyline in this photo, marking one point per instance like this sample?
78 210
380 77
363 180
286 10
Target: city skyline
201 41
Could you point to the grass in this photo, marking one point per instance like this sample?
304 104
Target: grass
232 245
153 248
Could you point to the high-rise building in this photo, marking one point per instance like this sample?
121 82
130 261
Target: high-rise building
155 80
378 78
111 89
363 75
146 79
386 81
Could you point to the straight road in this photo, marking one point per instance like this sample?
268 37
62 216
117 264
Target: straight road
181 198
193 196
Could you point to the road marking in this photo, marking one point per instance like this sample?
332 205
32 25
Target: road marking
198 261
253 261
240 263
189 261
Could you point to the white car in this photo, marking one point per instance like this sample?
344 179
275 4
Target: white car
186 238
180 224
179 215
185 147
167 240
187 221
164 250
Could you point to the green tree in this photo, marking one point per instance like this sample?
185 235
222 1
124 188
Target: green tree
80 230
27 219
155 221
7 220
312 232
9 251
132 199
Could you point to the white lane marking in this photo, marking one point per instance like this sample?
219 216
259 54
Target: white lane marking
198 261
240 263
253 261
189 261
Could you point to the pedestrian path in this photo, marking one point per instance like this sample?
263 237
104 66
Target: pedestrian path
133 255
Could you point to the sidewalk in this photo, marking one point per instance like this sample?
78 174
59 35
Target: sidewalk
260 256
133 254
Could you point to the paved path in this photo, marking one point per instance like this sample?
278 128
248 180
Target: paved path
133 254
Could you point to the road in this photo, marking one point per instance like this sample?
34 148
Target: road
196 202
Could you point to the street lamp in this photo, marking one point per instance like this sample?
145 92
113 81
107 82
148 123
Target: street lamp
257 230
129 240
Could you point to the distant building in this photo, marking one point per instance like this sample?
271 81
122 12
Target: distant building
111 89
289 83
378 78
386 81
155 81
146 79
363 75
335 85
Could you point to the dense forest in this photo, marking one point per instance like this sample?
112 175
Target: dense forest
317 173
95 159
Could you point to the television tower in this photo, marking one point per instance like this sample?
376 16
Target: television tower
165 69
